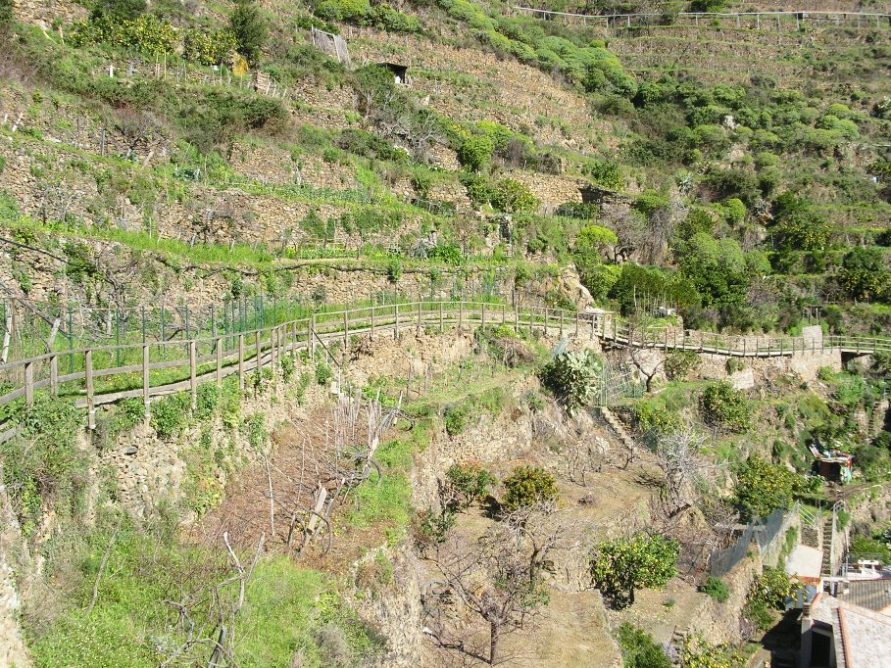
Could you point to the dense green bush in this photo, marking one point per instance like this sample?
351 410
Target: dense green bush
725 407
512 196
638 285
574 378
639 650
469 483
651 417
768 596
680 364
118 10
170 415
208 48
869 547
716 588
865 276
43 466
455 418
621 566
6 17
145 33
762 487
369 145
528 486
249 29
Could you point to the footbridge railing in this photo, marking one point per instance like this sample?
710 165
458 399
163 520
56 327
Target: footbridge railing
107 374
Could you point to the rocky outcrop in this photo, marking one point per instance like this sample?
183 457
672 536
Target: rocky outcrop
13 558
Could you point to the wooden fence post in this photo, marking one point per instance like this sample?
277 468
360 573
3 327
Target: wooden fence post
396 326
441 323
418 326
241 362
29 383
218 346
193 374
372 321
460 315
273 346
146 388
54 375
346 331
312 336
88 375
259 348
483 325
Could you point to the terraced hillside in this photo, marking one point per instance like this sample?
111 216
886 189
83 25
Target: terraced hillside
631 259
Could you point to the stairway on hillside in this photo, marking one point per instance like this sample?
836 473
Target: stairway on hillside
826 568
617 426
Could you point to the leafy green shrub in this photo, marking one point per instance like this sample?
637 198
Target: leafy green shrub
716 588
724 406
323 373
869 547
622 565
652 417
639 650
762 487
680 364
170 415
119 10
574 377
475 152
455 418
249 28
432 528
734 365
6 16
43 464
446 253
512 196
469 483
864 275
208 48
366 144
768 596
699 654
392 20
145 33
527 486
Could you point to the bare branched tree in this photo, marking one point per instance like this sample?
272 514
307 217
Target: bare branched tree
499 580
207 617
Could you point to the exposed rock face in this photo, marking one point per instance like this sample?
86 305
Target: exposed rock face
571 286
12 555
46 12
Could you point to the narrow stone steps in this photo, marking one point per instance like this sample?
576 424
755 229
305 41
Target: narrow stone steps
826 566
617 426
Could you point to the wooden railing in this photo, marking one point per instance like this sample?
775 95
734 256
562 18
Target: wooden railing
106 374
755 20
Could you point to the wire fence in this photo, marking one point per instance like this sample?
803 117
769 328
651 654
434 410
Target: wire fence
776 20
764 534
187 347
29 328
